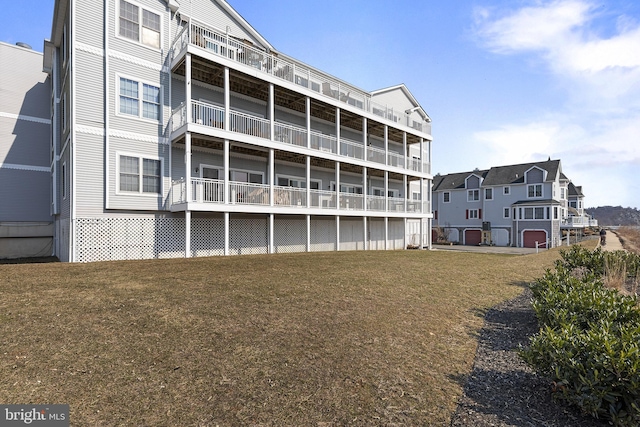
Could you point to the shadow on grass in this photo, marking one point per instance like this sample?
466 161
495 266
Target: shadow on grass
501 389
38 260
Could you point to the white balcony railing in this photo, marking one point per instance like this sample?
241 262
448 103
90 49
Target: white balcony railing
322 142
204 190
395 159
207 114
351 149
288 69
291 134
376 155
249 125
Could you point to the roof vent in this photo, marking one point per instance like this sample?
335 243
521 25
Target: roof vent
24 45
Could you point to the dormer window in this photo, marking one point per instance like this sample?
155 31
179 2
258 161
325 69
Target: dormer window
534 190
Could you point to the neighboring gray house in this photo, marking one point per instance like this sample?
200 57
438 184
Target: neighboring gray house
26 223
517 205
180 131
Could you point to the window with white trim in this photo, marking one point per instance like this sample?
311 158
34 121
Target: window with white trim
506 191
473 214
535 213
347 188
473 195
286 181
137 174
488 193
534 190
138 99
505 214
246 176
446 197
139 24
562 193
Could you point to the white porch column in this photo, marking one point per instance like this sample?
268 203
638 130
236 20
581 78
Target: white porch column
308 233
272 118
364 137
365 191
422 159
271 227
338 185
226 233
386 144
338 128
308 178
386 233
187 234
272 175
227 99
386 191
421 233
422 195
187 86
404 149
365 236
404 238
227 196
337 232
406 190
308 117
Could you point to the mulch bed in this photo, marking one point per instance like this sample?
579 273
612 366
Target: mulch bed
502 390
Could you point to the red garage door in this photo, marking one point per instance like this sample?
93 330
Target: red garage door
472 237
531 237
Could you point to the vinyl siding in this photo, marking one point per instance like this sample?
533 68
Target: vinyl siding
25 195
24 87
209 13
24 142
90 29
133 48
132 201
89 191
90 90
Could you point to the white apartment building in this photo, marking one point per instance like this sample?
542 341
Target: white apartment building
179 131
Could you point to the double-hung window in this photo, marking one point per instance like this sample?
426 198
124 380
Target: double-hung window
488 193
446 197
473 214
139 99
534 190
139 24
473 195
139 175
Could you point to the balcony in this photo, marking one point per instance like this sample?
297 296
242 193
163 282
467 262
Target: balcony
213 116
211 192
290 70
578 222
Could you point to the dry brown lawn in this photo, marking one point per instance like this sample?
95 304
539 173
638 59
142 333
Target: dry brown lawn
322 339
630 237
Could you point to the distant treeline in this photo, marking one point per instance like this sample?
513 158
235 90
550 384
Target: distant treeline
615 215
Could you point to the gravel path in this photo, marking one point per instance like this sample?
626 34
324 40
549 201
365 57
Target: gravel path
502 390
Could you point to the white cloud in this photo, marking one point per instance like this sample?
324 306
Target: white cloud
595 133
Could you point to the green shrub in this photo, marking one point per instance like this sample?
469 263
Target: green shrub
589 338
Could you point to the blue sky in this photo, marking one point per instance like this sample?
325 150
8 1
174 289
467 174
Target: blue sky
505 81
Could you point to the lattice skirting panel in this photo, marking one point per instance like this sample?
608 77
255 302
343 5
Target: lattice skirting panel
102 239
289 234
323 234
248 235
207 237
351 234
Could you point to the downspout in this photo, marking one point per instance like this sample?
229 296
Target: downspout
106 104
72 109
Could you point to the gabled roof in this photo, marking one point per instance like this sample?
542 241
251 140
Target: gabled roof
454 181
575 191
408 94
514 174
